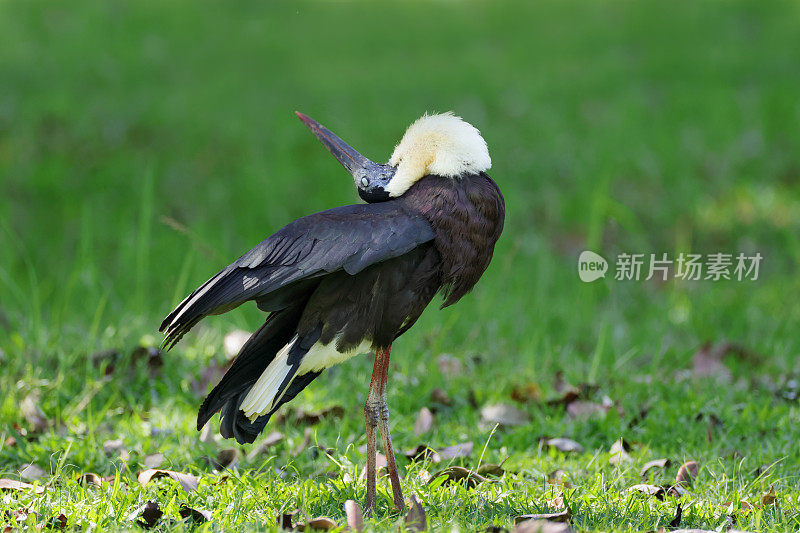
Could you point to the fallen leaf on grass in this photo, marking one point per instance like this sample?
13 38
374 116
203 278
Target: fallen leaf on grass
422 452
90 478
619 452
322 523
148 515
559 478
424 422
187 481
563 445
687 472
197 515
355 518
561 516
769 497
542 526
33 414
440 396
226 458
415 519
114 447
13 484
32 472
491 470
310 418
452 474
649 490
456 451
269 441
707 361
152 356
10 442
505 415
153 460
57 522
657 463
526 393
585 409
448 365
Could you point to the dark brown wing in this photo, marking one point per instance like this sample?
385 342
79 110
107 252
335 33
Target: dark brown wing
348 238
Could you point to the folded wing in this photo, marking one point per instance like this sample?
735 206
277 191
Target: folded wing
348 238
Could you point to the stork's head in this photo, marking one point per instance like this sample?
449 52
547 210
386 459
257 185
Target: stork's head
441 145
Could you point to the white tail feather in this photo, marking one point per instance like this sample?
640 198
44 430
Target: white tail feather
262 395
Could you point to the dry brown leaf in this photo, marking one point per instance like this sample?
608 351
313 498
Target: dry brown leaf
449 366
619 452
322 523
355 518
586 409
154 460
456 451
470 478
415 519
422 452
12 484
559 478
226 458
310 418
708 359
491 470
90 478
440 396
148 515
563 445
269 441
542 526
198 516
649 490
657 463
526 393
424 422
561 516
687 472
10 442
769 497
34 416
505 415
32 472
187 481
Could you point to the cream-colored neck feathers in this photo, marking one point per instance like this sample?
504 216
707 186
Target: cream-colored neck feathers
443 145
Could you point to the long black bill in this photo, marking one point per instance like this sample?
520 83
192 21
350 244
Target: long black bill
371 178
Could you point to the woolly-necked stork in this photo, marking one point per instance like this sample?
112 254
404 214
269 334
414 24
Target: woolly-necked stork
352 279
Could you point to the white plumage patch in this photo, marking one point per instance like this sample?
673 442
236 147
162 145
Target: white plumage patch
443 145
261 397
264 395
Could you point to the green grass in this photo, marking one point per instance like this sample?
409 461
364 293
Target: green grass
144 145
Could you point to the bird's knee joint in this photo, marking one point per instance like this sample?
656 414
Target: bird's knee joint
372 413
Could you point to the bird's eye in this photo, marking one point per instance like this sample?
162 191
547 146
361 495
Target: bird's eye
364 181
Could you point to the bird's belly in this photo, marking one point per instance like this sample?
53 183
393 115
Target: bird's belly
321 356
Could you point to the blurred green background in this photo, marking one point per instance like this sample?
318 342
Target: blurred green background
640 127
145 145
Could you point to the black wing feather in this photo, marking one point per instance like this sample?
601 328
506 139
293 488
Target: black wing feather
348 238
